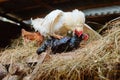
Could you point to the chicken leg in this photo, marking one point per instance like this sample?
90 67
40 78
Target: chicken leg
57 36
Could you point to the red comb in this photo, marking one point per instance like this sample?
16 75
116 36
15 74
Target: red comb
79 33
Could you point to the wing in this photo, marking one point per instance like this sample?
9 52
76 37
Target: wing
46 25
50 19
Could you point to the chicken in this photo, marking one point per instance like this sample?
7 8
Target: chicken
57 23
64 44
31 36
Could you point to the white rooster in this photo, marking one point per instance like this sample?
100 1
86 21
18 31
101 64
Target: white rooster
57 23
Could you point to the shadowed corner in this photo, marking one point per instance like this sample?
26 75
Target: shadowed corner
8 32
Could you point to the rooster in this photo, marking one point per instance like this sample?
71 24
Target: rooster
57 23
66 43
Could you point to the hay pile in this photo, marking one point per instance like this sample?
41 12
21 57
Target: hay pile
98 60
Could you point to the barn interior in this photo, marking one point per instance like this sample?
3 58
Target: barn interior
98 58
16 14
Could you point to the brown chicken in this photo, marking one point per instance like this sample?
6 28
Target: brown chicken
32 36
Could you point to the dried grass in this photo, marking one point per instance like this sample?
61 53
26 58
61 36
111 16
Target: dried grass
98 60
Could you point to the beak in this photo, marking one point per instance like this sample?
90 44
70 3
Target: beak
79 30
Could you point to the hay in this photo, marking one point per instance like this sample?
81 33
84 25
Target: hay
98 60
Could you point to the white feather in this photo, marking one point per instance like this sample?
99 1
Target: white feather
74 19
36 23
59 21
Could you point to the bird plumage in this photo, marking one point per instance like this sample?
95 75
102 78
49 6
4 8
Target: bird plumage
59 22
62 45
31 36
